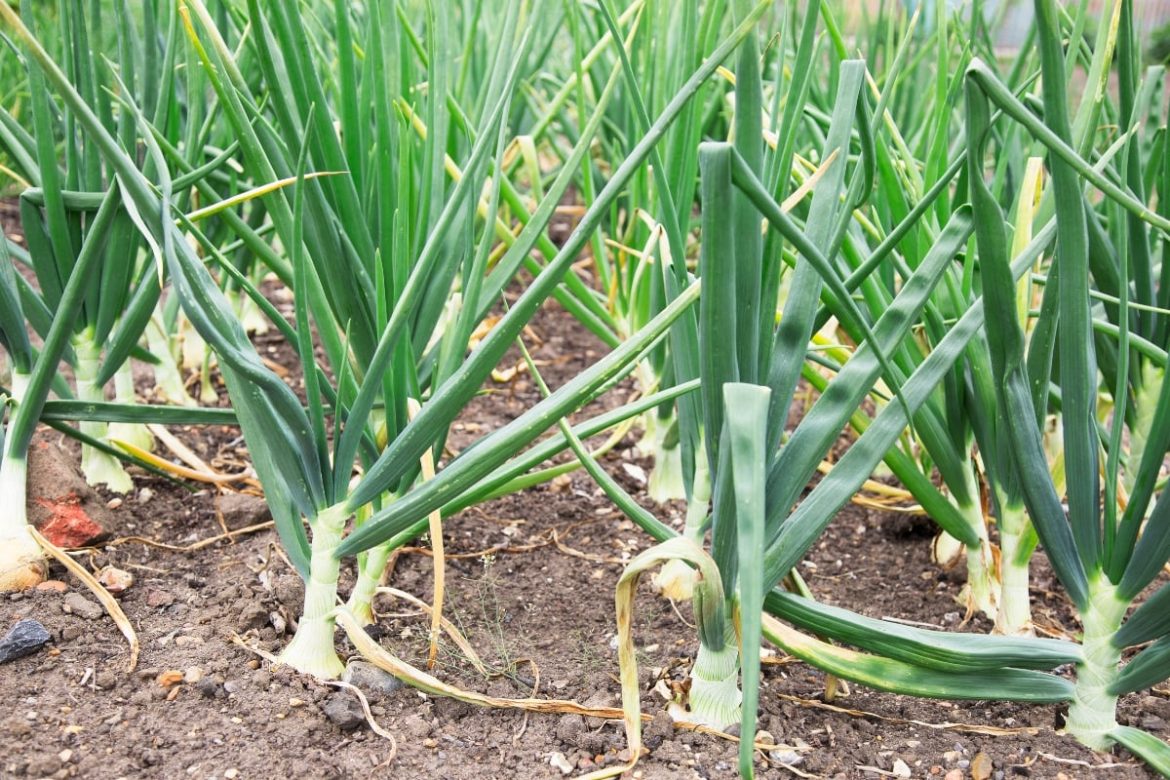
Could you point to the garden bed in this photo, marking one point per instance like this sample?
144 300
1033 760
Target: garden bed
530 583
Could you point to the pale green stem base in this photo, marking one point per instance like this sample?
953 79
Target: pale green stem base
207 394
168 380
981 592
311 650
99 467
715 697
131 433
252 318
1015 609
1093 713
361 598
21 560
1145 404
666 478
194 349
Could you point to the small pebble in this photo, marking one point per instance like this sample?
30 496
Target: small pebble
169 678
559 761
116 581
344 711
158 598
76 604
786 756
53 586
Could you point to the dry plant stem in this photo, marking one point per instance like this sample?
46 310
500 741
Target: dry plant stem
227 536
383 659
435 523
958 728
103 595
373 724
181 471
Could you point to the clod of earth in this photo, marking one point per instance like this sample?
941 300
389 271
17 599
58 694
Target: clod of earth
67 511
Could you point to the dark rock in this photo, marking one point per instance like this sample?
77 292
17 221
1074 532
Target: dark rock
416 726
44 766
25 638
289 592
344 711
599 700
207 687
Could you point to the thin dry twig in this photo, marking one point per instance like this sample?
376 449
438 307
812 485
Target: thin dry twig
962 728
1086 764
109 602
535 692
373 724
251 529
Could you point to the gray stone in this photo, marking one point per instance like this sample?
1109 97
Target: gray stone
371 680
76 604
240 509
344 711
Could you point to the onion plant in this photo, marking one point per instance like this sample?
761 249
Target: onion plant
1105 555
57 214
306 465
753 541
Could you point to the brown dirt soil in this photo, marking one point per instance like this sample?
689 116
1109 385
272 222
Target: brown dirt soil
534 610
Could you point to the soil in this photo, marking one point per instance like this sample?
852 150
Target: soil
538 610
